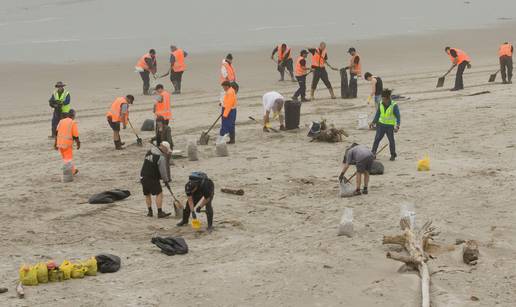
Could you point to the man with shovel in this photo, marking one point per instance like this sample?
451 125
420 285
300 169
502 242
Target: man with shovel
284 61
505 55
155 167
363 158
119 114
162 107
229 112
146 65
272 103
460 59
319 61
200 191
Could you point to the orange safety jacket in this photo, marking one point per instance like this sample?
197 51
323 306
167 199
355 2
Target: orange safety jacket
355 68
231 72
142 64
230 102
115 113
300 69
318 58
66 130
505 50
461 56
179 64
281 54
163 108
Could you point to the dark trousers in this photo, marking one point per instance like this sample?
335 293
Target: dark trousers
175 78
56 117
209 213
459 83
381 131
353 85
289 65
506 68
301 91
146 82
320 73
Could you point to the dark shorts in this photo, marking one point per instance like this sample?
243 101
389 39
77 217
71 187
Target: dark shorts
151 187
365 165
114 126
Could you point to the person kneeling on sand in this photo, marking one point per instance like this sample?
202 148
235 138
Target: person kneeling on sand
363 158
155 167
272 103
200 191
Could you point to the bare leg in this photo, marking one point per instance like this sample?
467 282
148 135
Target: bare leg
148 201
159 200
366 179
116 135
359 180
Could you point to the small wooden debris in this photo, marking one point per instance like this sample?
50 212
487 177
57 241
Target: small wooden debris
239 192
3 290
470 252
474 298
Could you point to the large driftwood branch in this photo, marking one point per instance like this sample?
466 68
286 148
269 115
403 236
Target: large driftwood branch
415 245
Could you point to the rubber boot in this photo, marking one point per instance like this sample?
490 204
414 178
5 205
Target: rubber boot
118 145
312 92
331 93
231 138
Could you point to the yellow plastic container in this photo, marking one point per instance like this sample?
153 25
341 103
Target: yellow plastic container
28 275
196 224
423 164
42 272
91 266
78 270
66 267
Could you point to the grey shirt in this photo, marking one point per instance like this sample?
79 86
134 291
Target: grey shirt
162 164
357 154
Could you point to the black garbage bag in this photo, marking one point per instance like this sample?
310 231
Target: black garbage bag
345 92
108 263
376 168
148 125
109 197
171 246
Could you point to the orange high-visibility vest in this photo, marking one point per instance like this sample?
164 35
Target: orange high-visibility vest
355 68
461 56
163 108
300 71
116 111
230 102
318 58
505 50
66 130
179 64
142 64
281 54
231 72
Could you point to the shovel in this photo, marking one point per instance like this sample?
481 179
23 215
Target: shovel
440 81
139 141
203 140
178 208
492 77
253 119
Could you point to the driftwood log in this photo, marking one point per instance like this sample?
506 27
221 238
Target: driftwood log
239 192
415 244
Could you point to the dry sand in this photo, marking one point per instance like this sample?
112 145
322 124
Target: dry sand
277 245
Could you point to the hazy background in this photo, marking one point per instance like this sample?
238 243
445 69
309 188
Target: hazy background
76 30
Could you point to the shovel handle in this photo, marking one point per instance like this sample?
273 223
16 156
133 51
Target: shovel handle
134 131
214 123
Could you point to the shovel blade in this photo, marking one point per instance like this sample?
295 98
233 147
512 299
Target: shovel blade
440 82
139 142
492 78
204 139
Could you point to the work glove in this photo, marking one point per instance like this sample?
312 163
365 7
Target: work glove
268 125
78 145
198 209
372 125
194 216
341 177
369 99
396 129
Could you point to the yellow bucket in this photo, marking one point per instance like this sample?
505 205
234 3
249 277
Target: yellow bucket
196 224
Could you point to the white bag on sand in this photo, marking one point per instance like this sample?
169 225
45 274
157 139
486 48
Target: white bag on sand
346 189
192 151
408 210
363 121
67 172
346 223
221 149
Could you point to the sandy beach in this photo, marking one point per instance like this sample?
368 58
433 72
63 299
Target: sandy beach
277 245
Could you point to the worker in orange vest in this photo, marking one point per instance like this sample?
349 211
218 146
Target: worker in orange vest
319 59
67 133
505 54
229 112
284 61
301 72
162 108
460 59
145 66
119 114
227 72
355 69
177 67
